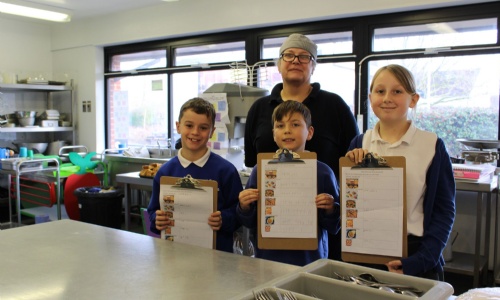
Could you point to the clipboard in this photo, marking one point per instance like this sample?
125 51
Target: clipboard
282 156
189 182
373 161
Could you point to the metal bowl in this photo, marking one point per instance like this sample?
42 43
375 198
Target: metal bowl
27 121
36 147
25 114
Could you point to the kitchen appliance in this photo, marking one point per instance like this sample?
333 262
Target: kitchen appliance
480 151
239 100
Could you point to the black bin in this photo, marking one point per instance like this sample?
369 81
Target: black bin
100 205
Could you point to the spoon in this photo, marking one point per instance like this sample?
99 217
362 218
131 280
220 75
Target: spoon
387 289
408 293
369 278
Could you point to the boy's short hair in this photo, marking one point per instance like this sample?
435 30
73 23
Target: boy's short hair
199 106
289 107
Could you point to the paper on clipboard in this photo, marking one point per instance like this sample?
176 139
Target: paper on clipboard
188 202
287 214
373 210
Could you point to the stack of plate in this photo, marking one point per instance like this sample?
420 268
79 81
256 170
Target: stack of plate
50 114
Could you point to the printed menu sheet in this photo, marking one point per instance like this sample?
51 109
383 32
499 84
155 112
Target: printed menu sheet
189 208
373 211
288 192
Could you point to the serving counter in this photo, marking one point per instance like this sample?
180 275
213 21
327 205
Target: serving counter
75 260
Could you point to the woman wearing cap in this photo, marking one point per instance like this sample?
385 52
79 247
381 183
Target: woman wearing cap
333 122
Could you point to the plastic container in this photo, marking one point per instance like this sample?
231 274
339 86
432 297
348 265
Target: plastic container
100 205
318 280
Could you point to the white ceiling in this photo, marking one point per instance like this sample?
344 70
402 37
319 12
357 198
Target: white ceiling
84 9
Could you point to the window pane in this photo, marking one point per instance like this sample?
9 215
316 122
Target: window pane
338 78
433 35
213 53
458 96
137 110
328 44
191 84
139 61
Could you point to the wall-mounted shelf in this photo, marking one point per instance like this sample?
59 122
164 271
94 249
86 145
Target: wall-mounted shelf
36 87
35 129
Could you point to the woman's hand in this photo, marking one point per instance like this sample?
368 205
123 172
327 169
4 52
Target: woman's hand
247 197
215 220
325 201
356 155
162 221
395 266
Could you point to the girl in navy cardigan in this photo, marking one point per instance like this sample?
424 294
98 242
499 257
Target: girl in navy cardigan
430 182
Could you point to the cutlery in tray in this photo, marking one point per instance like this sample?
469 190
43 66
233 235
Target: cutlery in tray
321 280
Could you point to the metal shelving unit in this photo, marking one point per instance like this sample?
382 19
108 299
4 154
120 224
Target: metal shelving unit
476 264
60 97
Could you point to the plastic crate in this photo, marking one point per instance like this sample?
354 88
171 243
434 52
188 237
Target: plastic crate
319 279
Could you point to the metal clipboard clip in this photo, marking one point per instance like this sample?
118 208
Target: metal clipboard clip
372 160
188 182
285 156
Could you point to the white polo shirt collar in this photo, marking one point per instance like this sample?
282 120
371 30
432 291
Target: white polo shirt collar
200 162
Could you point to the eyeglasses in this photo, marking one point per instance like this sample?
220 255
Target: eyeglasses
303 58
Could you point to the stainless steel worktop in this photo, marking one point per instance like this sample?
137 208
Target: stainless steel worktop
74 260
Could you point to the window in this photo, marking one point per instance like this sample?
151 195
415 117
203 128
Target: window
213 53
435 35
139 106
139 61
191 84
336 77
137 110
459 95
328 44
459 84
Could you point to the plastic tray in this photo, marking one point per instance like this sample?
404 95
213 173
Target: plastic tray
317 281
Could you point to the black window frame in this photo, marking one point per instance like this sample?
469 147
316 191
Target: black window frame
362 28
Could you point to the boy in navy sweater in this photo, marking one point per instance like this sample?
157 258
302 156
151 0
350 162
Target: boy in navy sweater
291 129
196 126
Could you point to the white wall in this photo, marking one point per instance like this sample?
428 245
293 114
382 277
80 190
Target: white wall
190 17
84 65
25 49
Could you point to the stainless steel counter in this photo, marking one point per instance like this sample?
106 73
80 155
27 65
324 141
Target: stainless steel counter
130 181
74 260
118 164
